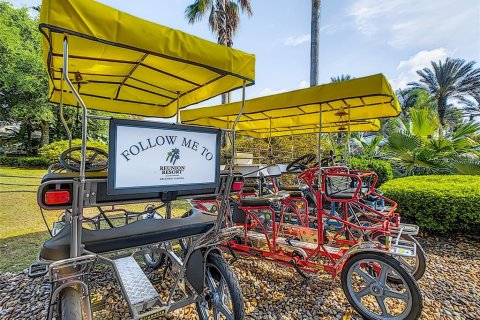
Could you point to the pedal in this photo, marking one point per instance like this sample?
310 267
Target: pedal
37 270
139 290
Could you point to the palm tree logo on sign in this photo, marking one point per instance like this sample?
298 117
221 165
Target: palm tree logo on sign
173 156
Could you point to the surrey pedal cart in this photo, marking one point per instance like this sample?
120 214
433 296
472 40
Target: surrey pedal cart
364 243
100 58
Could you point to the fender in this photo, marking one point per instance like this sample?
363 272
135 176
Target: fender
395 250
356 249
212 250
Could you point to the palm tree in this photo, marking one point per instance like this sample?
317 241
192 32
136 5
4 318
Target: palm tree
342 77
413 146
223 19
472 108
369 147
451 79
314 41
410 98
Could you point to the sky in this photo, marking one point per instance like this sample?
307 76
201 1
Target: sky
358 37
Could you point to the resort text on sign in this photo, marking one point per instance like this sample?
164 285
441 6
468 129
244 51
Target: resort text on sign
163 157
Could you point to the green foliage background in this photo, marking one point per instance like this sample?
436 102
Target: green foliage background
53 151
438 203
383 168
24 162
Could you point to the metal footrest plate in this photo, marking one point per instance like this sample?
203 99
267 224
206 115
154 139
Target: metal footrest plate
292 243
411 229
136 284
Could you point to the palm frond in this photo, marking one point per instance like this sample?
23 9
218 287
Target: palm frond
197 10
467 166
342 77
441 145
403 141
397 125
424 122
465 130
246 6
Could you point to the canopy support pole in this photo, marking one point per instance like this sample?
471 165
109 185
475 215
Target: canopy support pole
62 118
319 178
270 149
228 186
348 138
320 127
79 185
178 107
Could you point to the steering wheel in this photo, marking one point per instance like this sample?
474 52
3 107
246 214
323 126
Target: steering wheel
327 161
301 163
96 159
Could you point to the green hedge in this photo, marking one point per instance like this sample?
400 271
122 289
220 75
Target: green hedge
53 151
24 162
438 203
381 167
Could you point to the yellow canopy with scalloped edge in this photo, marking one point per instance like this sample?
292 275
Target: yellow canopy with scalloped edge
366 98
124 64
369 125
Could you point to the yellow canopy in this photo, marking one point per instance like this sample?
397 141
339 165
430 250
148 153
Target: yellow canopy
359 99
355 126
128 65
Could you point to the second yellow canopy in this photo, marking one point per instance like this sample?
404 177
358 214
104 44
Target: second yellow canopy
360 101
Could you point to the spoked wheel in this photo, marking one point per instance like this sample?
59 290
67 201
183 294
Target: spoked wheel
70 305
223 297
366 286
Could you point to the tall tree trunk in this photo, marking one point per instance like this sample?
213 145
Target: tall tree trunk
45 131
29 140
314 42
442 109
223 37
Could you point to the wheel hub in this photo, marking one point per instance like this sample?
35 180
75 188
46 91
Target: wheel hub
376 289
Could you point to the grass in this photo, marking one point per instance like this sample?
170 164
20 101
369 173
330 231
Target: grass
22 229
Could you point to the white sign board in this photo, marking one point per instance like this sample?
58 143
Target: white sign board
150 157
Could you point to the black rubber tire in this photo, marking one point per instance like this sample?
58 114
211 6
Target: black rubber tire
422 266
70 304
417 299
226 272
154 263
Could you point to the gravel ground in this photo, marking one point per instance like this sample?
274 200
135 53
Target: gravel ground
451 288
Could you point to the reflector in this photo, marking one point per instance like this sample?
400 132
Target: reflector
237 186
57 197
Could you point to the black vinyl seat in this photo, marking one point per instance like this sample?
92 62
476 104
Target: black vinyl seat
295 194
347 193
206 198
248 190
291 188
73 175
250 185
138 233
255 202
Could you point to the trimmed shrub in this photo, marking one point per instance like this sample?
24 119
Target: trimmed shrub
438 203
52 151
383 168
24 162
